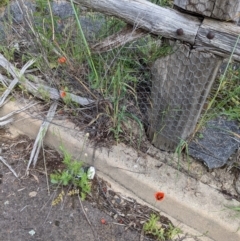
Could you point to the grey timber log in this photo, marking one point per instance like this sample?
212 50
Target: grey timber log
227 10
180 85
203 7
148 16
224 39
165 22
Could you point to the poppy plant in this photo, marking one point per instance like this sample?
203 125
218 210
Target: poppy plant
63 93
62 60
159 196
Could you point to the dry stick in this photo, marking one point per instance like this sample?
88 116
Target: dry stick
6 119
95 235
52 197
17 111
10 168
4 123
51 14
45 166
40 136
15 73
3 81
64 199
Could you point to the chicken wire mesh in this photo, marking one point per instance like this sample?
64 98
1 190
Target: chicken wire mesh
181 83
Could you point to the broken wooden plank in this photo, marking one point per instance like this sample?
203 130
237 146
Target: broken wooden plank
172 24
148 16
218 37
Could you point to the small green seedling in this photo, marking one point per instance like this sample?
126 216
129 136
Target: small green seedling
155 228
73 174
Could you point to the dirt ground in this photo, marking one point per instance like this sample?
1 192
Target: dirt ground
27 213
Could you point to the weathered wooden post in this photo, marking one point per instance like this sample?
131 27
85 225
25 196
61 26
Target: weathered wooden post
180 85
181 81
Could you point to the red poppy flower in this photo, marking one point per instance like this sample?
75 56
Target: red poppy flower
62 60
159 196
103 221
63 93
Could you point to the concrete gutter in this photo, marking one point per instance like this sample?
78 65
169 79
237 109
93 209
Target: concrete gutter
198 207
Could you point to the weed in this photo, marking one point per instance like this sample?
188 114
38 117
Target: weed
44 93
66 97
236 209
223 96
183 145
228 99
8 52
4 3
153 227
89 59
73 174
172 231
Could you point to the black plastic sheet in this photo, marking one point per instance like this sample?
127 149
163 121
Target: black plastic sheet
216 142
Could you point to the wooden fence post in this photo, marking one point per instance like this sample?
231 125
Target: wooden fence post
180 85
182 81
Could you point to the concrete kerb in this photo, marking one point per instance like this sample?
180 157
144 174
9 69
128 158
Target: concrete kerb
190 202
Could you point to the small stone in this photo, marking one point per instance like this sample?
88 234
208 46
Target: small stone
204 179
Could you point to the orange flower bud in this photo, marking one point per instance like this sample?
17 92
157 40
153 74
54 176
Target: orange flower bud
63 93
62 60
